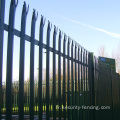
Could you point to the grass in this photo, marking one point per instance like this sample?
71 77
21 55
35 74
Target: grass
36 108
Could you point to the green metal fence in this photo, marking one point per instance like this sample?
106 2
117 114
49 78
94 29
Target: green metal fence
81 87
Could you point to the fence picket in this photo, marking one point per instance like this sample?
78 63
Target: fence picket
72 80
34 18
54 73
86 81
10 61
42 23
68 79
2 11
47 71
78 80
59 74
76 111
81 55
21 68
64 77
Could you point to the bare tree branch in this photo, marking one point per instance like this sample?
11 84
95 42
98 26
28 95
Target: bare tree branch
102 51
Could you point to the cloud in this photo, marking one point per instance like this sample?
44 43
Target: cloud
116 35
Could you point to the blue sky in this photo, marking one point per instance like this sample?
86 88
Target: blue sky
91 23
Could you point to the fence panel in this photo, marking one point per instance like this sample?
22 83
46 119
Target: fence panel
84 82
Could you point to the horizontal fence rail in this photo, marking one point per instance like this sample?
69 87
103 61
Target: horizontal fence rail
77 86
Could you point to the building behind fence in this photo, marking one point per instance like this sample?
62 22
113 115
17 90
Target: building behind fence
83 88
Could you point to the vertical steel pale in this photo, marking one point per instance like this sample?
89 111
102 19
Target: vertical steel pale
42 23
78 80
72 81
68 78
10 60
34 18
47 70
76 111
59 74
2 11
64 77
54 73
21 65
81 56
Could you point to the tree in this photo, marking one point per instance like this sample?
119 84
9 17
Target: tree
115 55
102 51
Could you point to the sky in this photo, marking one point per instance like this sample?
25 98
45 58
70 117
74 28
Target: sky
91 23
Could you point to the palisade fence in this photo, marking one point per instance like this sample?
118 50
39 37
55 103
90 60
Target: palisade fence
83 88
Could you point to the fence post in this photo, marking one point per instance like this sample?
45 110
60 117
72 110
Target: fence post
10 60
2 10
91 84
21 69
